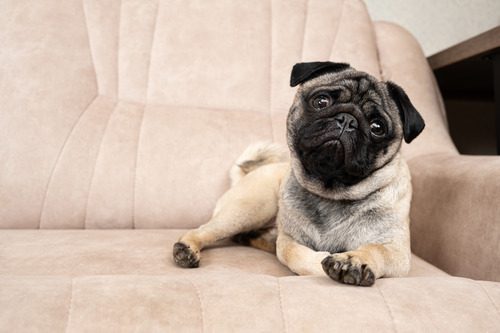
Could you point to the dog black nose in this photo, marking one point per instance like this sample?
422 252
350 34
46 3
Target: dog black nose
346 122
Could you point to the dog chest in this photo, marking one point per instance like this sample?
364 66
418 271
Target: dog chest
328 225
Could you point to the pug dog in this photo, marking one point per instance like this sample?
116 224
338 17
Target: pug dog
339 204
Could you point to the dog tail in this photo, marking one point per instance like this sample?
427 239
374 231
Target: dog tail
255 156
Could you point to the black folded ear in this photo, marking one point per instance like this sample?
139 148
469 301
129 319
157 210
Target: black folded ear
413 123
304 71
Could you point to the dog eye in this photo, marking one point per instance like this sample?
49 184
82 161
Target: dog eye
377 128
321 101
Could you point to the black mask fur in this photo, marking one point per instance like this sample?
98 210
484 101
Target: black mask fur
343 158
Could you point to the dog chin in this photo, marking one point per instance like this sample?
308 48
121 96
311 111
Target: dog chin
333 154
324 162
332 163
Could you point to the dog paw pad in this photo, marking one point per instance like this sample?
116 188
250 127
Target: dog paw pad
184 256
348 270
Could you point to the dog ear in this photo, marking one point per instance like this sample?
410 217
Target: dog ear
304 71
413 123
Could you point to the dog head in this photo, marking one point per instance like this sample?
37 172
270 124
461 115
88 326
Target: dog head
345 124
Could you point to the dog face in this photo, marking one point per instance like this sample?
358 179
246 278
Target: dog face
345 124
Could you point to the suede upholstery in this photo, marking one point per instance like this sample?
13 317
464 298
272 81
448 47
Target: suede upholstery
122 252
138 68
127 114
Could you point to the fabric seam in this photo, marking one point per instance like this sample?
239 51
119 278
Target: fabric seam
280 296
202 311
70 307
91 49
51 177
379 58
391 315
306 14
139 135
118 51
334 42
95 164
489 297
155 30
271 70
136 163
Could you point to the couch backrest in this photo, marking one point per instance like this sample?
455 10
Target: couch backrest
129 114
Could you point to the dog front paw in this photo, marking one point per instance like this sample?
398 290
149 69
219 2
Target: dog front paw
348 268
186 257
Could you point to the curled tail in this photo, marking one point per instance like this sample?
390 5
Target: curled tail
255 156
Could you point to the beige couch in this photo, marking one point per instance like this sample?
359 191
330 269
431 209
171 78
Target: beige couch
122 115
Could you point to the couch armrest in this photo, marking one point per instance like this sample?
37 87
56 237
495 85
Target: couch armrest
455 222
455 213
402 61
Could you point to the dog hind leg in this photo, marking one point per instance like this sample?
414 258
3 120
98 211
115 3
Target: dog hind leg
251 204
262 239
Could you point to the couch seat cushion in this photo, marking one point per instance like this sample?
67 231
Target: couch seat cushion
125 281
129 252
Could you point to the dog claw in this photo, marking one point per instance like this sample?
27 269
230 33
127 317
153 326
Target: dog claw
185 257
345 270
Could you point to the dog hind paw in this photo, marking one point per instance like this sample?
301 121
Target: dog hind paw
348 269
185 257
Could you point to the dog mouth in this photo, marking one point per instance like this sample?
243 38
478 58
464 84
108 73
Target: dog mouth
335 149
331 145
332 161
324 153
321 139
328 141
329 131
327 152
